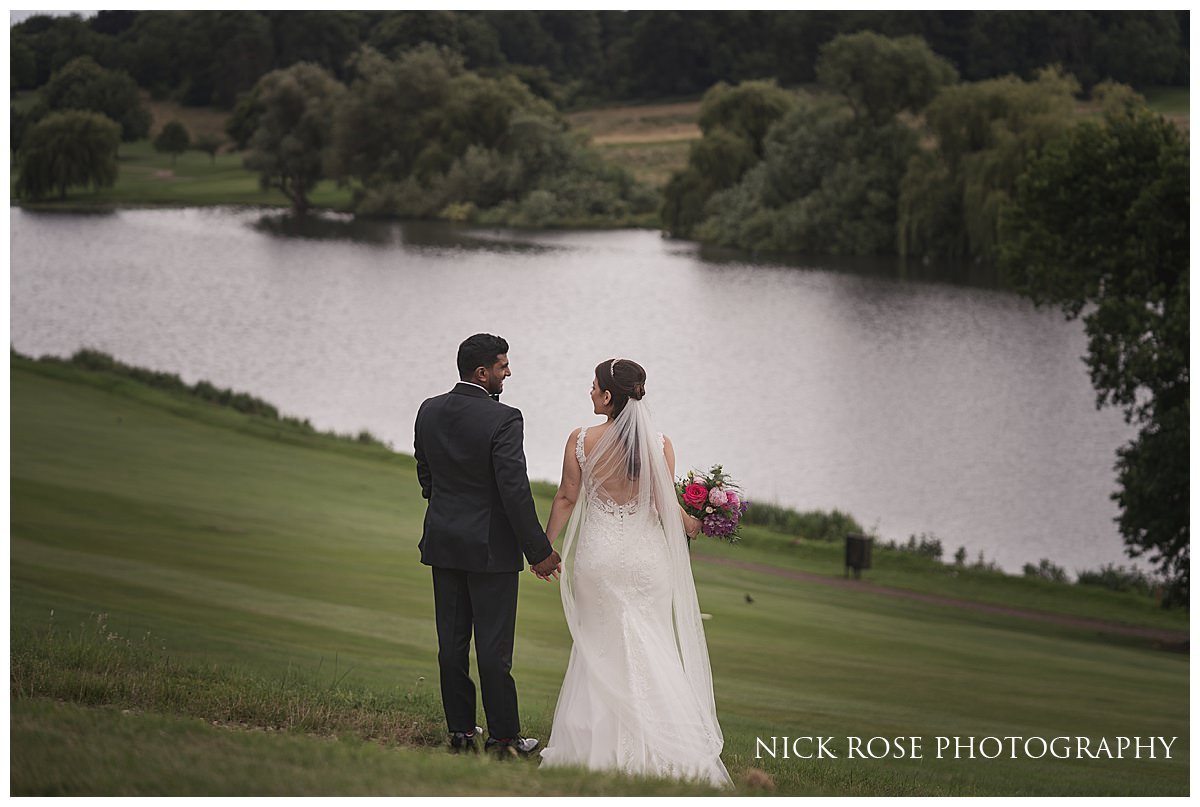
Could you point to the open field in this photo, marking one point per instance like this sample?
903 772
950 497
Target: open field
266 580
651 140
639 123
197 120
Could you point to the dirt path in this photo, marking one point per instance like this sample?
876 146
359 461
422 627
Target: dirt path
1163 639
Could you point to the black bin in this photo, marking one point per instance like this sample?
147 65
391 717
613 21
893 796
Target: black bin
858 554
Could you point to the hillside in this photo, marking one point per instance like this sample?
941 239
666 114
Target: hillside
202 587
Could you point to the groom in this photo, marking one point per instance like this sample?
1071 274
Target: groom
480 519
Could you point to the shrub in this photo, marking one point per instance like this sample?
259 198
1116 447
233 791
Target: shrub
815 525
924 545
1046 571
1118 578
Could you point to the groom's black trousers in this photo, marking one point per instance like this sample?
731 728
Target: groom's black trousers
485 602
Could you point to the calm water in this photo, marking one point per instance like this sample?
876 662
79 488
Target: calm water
915 405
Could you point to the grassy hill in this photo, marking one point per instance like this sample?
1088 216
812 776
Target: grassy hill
206 602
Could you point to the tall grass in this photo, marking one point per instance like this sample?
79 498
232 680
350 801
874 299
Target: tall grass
93 664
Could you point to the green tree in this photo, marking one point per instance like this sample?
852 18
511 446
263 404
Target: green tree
220 54
68 149
57 40
1099 227
173 139
827 184
420 136
734 121
1141 49
880 76
85 85
984 133
150 49
417 114
242 123
210 144
22 64
815 174
747 110
401 30
293 138
391 114
326 38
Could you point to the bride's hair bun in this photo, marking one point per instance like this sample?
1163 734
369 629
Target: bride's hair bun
624 378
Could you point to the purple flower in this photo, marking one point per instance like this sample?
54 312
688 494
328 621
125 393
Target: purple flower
717 526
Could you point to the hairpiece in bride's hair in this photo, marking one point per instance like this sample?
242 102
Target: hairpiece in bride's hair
612 368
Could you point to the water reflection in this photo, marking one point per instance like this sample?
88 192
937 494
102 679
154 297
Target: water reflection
433 236
326 227
975 274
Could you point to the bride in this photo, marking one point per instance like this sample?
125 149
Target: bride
638 693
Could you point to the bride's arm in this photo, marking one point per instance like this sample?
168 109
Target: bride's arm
691 524
568 491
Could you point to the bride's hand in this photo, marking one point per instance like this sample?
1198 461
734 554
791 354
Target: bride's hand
691 526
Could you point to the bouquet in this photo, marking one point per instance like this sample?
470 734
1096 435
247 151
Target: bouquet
715 500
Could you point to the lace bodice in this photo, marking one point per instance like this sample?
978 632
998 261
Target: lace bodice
606 505
662 443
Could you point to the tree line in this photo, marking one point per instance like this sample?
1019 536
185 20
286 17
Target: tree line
415 136
207 58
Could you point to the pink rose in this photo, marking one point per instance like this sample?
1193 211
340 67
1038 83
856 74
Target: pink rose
731 499
695 494
717 496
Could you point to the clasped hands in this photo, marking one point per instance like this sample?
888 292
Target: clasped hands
550 568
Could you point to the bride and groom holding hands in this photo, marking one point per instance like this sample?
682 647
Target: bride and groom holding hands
637 696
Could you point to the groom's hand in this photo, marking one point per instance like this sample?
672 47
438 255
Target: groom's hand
549 568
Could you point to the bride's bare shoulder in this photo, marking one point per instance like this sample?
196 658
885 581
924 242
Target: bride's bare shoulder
574 436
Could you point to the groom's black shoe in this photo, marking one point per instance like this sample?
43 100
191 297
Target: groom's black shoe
511 746
461 741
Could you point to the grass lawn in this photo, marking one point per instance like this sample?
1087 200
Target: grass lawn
1169 100
205 603
146 177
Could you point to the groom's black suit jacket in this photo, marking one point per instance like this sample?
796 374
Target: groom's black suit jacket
471 465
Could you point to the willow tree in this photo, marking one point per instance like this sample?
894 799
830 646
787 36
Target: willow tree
68 149
983 134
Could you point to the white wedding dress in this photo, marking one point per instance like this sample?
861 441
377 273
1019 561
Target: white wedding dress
637 696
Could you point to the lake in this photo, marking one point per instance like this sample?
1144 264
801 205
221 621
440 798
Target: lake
916 404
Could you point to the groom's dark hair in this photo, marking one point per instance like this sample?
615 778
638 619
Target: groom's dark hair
479 350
